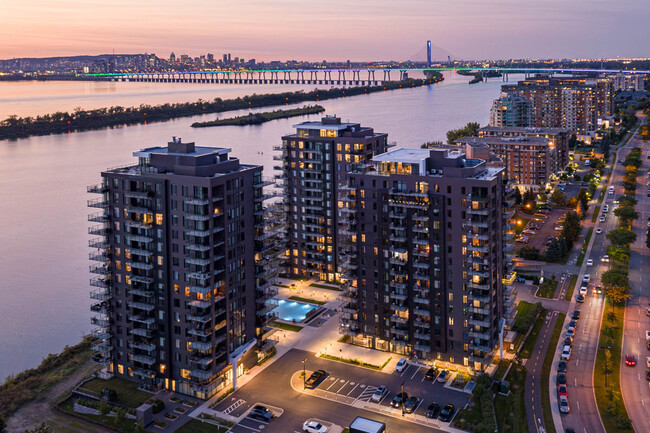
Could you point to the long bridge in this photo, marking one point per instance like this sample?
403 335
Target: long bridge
358 77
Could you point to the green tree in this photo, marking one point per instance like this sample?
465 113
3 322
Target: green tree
43 428
558 197
620 254
517 196
617 294
529 252
626 213
573 141
469 130
614 278
554 251
627 200
571 229
621 237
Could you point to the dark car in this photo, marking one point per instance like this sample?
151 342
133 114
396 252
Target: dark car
568 341
647 375
411 404
573 323
561 378
629 360
447 413
561 366
433 410
399 400
580 298
315 379
431 374
576 315
261 412
569 430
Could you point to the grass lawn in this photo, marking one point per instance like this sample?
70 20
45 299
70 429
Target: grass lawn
196 426
356 362
581 258
286 326
501 369
125 425
571 287
128 393
526 313
594 217
547 289
546 373
530 342
311 301
510 410
609 399
520 227
323 286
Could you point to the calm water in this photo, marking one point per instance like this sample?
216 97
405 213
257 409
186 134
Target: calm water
43 241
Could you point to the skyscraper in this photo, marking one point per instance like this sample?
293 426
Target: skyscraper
510 111
315 160
186 261
422 251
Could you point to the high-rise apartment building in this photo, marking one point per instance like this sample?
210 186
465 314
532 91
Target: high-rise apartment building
185 265
315 160
625 82
510 110
575 103
422 251
558 138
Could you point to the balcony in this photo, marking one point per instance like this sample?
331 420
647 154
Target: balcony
138 210
350 308
144 346
141 279
397 319
422 312
422 335
102 294
99 188
142 332
100 243
141 306
99 217
140 318
100 269
397 215
142 359
137 238
141 265
399 331
100 321
478 322
398 296
100 282
477 248
421 301
398 307
140 252
101 203
422 347
101 333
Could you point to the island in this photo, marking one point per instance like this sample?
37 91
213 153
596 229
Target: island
259 118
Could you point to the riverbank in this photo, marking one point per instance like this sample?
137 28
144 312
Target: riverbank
83 120
259 118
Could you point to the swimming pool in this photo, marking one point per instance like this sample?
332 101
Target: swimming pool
291 310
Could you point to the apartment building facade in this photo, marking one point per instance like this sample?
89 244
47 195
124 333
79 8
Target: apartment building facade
575 103
558 138
315 160
422 252
186 262
510 111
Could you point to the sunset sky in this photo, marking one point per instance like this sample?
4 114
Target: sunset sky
327 29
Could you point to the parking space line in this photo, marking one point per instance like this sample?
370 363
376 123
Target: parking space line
346 382
245 426
256 420
333 383
416 372
355 387
405 370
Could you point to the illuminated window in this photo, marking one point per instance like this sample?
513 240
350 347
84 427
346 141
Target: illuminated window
185 374
163 368
120 368
159 219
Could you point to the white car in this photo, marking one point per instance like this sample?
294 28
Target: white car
314 427
583 290
599 231
590 262
379 393
602 218
566 353
401 365
586 278
611 190
606 208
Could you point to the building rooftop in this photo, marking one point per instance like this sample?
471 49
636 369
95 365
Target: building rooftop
332 123
405 155
177 147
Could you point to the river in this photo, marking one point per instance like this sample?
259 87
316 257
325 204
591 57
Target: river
44 241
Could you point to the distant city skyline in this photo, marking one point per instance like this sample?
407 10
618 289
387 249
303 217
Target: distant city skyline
333 31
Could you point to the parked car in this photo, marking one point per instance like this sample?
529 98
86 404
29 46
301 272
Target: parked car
401 365
442 377
580 298
411 404
590 262
602 218
647 375
559 228
629 360
561 390
433 410
576 315
583 290
564 404
399 400
586 278
647 362
447 413
313 427
566 353
572 323
431 374
561 366
379 393
606 208
315 379
561 378
571 332
599 231
568 341
261 412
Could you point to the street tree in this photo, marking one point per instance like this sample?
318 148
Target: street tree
517 196
618 294
614 278
620 254
626 213
554 251
621 237
558 197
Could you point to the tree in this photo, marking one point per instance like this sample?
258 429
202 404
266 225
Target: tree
517 196
617 294
554 251
571 229
43 428
626 214
573 141
621 237
614 278
620 254
558 197
529 252
469 130
582 198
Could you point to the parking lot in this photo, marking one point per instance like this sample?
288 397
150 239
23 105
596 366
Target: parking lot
545 228
342 395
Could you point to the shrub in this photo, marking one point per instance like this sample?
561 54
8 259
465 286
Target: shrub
157 406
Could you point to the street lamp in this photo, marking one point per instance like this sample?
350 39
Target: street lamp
304 373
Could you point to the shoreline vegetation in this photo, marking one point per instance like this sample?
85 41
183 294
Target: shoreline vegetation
259 118
84 120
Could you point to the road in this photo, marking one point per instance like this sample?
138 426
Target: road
634 386
584 415
534 364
